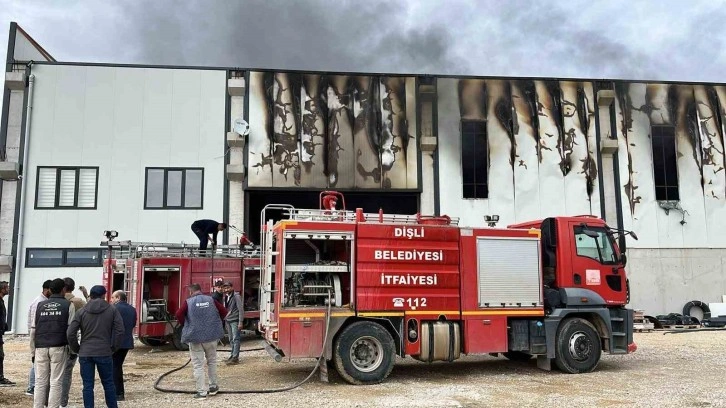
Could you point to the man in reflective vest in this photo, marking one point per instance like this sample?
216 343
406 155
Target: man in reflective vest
49 344
201 319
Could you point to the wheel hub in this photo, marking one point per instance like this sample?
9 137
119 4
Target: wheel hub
366 354
580 346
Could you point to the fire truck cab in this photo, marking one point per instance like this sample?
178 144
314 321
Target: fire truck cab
356 289
155 277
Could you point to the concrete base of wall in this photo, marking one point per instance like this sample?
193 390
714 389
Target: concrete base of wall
662 281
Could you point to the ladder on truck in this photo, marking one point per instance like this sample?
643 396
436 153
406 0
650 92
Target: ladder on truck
135 250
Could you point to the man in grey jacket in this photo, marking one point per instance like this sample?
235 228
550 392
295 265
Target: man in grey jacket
102 331
235 313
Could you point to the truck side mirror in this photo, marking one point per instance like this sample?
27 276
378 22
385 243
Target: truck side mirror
632 234
623 259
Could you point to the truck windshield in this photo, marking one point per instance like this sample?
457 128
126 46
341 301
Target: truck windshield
599 249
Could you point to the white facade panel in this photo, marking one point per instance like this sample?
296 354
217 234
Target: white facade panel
121 120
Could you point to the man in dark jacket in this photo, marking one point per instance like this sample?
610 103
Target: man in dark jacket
4 291
102 330
201 320
218 292
128 314
235 314
204 228
49 344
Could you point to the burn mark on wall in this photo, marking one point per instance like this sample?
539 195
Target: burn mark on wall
694 137
314 118
584 110
286 122
529 92
622 92
717 113
504 110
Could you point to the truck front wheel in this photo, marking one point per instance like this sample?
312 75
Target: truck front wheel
364 353
577 347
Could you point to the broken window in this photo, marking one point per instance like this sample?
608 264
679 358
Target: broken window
474 159
665 170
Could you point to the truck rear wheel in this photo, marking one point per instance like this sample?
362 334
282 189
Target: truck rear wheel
364 353
152 341
577 346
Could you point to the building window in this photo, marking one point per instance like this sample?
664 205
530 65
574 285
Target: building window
174 188
62 257
665 169
474 159
66 188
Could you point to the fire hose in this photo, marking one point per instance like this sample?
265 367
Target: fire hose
264 391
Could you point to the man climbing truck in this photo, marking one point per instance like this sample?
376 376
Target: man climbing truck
357 289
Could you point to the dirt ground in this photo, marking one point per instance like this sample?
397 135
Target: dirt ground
673 370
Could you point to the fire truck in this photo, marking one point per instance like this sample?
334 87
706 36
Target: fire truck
356 289
155 277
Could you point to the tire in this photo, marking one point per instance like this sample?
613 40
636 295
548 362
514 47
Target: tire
577 346
517 356
177 342
152 341
364 353
705 310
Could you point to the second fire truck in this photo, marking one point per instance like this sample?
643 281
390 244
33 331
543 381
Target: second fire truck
356 290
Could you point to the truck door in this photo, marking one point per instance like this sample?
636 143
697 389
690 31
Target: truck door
596 262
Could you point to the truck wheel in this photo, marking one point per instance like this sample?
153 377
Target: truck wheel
177 342
152 341
577 346
364 353
517 356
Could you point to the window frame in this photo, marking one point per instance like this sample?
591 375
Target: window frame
58 170
165 190
64 258
476 184
578 230
667 186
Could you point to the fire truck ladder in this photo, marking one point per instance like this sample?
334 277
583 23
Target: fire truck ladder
134 250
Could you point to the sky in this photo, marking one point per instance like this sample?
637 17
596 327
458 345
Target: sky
619 39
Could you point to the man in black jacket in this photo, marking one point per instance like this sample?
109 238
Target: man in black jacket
128 314
49 344
4 291
204 228
102 330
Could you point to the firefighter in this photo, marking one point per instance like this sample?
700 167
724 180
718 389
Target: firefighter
201 320
206 230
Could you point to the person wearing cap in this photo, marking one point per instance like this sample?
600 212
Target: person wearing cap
78 303
206 230
49 344
201 320
102 331
44 295
233 304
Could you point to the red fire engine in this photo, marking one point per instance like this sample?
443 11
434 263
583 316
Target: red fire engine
155 277
357 289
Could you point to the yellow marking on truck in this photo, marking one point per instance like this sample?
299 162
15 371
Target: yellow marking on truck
431 312
380 314
287 223
536 232
503 312
316 314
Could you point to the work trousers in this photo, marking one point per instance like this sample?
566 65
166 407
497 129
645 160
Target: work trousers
105 373
234 337
50 363
67 378
2 357
31 377
203 239
198 352
118 370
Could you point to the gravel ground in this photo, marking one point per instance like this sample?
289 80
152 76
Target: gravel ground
674 370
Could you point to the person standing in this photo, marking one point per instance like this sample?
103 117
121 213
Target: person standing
44 295
78 303
102 330
49 344
4 291
206 230
218 292
235 308
201 319
128 315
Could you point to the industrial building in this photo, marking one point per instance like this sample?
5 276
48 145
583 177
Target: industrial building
146 150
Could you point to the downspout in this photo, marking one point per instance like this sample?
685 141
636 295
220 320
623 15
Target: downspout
20 253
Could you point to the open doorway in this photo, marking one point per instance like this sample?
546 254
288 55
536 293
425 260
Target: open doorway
371 202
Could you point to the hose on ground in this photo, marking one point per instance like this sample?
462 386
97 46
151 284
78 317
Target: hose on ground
321 360
693 330
697 303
